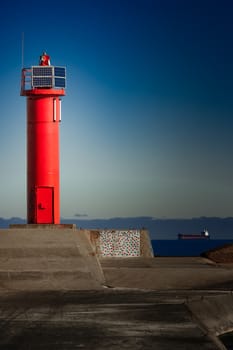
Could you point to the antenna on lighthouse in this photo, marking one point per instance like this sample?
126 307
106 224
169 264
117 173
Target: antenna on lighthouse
22 49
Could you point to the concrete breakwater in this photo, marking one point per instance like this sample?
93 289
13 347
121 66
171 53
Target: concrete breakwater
112 318
213 314
59 290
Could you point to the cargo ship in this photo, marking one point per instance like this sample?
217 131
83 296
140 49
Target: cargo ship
203 235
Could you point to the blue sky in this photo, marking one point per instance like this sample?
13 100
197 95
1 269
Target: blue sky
147 120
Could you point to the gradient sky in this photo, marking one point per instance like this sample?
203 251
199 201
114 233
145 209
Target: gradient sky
147 121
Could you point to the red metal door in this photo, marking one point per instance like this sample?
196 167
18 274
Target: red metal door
44 205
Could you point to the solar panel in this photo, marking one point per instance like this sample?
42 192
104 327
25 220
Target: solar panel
60 72
42 82
60 82
42 71
48 77
60 77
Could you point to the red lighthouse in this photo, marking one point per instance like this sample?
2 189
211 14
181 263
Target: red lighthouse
43 86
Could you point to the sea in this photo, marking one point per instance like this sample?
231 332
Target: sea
186 247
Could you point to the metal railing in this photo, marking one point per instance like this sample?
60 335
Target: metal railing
26 79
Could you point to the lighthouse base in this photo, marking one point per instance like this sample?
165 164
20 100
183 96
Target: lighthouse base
39 258
43 226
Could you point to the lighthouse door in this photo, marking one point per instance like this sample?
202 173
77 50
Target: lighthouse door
44 205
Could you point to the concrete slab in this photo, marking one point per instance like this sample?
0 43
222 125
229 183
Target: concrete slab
111 319
166 273
47 258
43 273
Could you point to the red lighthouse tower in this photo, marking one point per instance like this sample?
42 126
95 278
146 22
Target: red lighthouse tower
43 86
